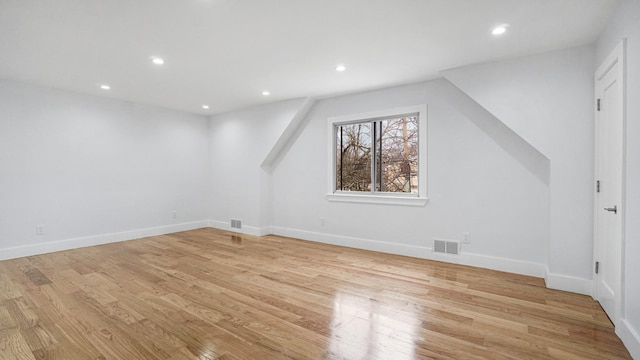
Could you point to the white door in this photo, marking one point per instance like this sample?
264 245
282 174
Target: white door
609 207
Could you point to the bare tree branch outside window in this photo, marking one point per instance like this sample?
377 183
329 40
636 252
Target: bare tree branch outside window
378 155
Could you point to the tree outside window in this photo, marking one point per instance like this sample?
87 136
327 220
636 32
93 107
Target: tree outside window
379 155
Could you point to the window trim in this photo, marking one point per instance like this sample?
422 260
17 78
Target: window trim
379 197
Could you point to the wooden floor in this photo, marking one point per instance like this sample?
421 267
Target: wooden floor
209 294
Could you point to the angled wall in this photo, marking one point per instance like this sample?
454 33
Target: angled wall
547 99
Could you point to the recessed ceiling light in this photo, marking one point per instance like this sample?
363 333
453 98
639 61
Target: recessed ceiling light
341 68
266 93
105 87
156 60
205 107
499 30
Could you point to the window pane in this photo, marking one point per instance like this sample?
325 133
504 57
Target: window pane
397 155
353 157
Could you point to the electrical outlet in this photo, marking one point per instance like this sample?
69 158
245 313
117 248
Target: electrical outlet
174 214
40 230
465 237
323 221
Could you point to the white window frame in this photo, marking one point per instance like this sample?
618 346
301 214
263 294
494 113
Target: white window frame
419 199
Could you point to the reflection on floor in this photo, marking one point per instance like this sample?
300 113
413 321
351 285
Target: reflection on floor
364 328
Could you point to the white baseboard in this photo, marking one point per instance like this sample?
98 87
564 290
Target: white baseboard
358 243
496 263
553 281
630 337
60 245
569 283
424 252
246 229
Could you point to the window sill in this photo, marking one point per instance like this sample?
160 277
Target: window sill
378 199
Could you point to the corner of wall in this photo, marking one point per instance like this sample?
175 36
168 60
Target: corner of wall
630 338
246 229
568 283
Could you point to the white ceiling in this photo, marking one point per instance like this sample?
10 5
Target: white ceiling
226 52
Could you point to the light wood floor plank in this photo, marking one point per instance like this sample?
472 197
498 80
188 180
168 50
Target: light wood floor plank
211 294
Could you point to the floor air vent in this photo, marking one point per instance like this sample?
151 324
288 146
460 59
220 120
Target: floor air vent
446 247
236 224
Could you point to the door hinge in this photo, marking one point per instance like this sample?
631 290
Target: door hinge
597 266
598 186
598 104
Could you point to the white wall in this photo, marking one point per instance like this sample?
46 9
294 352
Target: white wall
240 142
626 24
87 167
474 186
548 100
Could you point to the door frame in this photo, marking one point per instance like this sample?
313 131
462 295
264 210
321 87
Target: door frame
617 56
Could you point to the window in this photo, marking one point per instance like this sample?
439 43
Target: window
379 157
